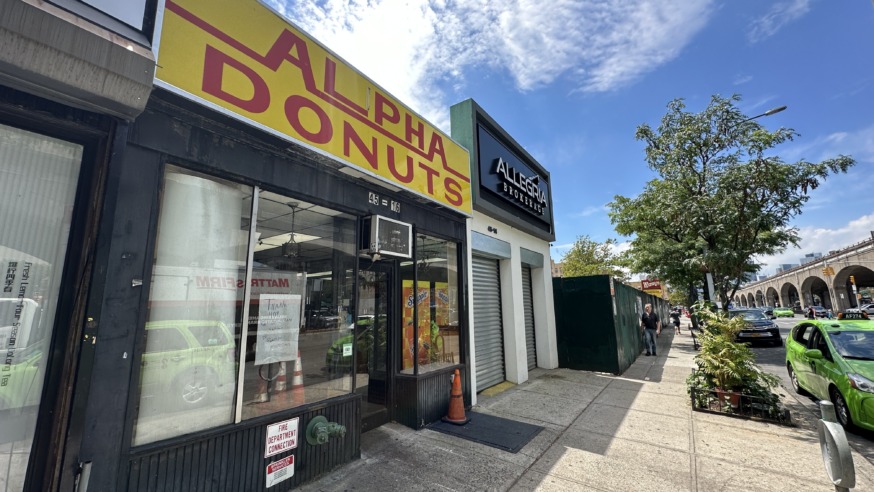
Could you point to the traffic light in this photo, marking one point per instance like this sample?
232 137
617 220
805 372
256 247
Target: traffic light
852 280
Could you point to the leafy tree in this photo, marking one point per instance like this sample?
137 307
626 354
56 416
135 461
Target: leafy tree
677 297
588 257
719 199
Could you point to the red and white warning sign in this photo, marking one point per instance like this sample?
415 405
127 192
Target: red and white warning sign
279 471
281 437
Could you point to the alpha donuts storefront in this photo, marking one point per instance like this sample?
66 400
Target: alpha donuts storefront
285 264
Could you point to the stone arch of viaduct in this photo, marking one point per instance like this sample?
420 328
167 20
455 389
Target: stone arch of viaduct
823 282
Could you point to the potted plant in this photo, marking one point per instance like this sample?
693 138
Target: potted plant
724 366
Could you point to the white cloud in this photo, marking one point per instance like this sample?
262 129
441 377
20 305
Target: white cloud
780 15
858 143
821 240
590 210
742 79
411 47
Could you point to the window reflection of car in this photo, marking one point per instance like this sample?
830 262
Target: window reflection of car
758 327
189 361
834 360
22 344
338 361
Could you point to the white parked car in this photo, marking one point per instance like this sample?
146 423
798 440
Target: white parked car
868 308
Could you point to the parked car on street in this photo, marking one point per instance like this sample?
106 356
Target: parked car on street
759 327
781 312
868 308
834 360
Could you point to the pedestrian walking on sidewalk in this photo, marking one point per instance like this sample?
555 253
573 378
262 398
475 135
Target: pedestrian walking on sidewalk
652 327
675 317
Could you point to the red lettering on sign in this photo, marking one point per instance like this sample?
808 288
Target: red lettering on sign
330 77
294 104
214 64
392 166
431 173
453 191
381 104
351 136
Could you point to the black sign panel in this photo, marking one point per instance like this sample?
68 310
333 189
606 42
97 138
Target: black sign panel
503 174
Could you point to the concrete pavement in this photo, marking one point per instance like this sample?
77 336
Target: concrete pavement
602 432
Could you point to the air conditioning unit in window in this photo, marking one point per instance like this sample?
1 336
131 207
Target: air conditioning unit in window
387 237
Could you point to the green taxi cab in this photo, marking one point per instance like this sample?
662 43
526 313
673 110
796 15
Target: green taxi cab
781 312
834 360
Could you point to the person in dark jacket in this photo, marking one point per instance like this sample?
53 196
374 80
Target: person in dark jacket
652 327
675 317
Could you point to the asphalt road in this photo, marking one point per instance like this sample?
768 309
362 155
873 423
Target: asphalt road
773 360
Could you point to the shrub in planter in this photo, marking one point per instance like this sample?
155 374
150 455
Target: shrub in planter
724 366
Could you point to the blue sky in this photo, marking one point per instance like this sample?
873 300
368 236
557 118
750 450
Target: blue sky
571 80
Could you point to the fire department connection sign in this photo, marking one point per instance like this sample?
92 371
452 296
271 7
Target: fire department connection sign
281 437
241 58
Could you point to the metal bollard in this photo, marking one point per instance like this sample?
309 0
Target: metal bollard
836 453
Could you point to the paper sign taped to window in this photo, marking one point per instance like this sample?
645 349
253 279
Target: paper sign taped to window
278 328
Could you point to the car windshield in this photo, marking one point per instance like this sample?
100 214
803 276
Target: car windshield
857 345
750 315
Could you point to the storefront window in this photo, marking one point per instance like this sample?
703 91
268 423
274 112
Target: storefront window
189 367
38 177
435 297
296 264
300 308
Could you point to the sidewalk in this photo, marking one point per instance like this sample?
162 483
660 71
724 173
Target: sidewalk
602 433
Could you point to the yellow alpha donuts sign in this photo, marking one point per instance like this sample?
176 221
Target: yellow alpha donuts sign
241 58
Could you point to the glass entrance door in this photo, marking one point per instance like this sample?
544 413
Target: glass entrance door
375 315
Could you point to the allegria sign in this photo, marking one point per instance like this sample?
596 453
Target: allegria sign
239 56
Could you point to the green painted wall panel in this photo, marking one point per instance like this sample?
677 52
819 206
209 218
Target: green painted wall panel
590 335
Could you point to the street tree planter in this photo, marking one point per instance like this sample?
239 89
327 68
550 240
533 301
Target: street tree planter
727 380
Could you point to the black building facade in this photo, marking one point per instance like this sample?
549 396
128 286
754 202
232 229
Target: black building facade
196 298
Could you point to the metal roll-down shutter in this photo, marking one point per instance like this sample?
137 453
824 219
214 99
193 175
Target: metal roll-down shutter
528 306
488 328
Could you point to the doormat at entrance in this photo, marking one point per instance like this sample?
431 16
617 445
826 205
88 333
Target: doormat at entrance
491 430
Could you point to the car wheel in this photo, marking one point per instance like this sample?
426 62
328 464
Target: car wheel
794 378
194 387
842 411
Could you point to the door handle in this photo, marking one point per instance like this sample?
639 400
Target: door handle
176 358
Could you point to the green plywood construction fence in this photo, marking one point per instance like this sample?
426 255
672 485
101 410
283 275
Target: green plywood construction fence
598 322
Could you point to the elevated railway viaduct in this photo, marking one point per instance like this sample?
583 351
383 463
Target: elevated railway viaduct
828 281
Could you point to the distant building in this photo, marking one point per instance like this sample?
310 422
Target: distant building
810 257
556 268
785 266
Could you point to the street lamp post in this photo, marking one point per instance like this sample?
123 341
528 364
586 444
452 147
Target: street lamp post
708 277
766 113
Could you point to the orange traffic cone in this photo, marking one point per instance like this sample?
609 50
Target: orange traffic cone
297 395
279 382
456 402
